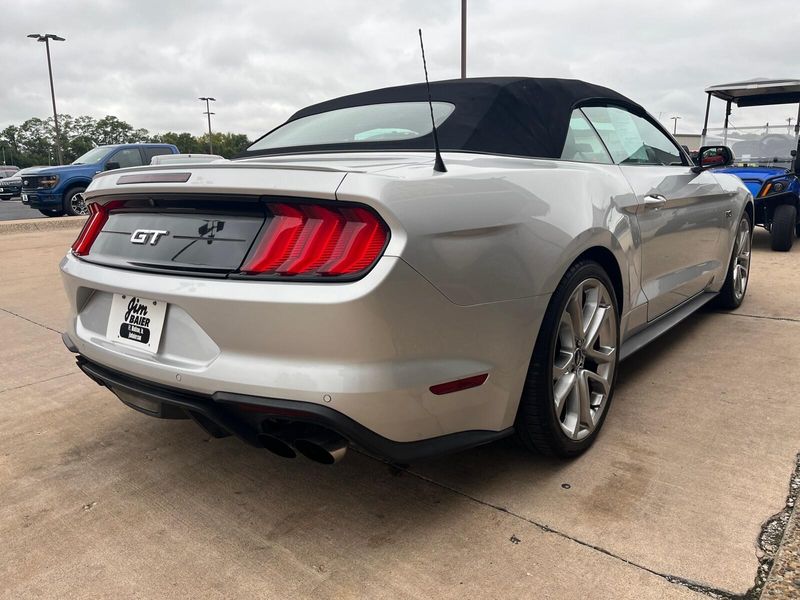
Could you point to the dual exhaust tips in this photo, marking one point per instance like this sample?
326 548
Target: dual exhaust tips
317 444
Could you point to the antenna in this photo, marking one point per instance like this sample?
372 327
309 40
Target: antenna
438 164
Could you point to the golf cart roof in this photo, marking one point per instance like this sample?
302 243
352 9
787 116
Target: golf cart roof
758 92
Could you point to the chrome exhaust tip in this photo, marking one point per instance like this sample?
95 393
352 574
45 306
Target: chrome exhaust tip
327 448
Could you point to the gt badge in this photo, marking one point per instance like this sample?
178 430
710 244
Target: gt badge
141 236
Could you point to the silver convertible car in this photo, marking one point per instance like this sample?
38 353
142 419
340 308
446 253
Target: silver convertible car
337 286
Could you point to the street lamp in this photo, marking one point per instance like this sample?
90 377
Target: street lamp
46 37
209 113
675 125
463 39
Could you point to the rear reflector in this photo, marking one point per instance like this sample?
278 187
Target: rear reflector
459 384
98 215
315 240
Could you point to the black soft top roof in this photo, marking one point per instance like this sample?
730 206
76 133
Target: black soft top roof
519 116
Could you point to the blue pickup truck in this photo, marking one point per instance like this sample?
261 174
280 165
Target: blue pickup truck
55 191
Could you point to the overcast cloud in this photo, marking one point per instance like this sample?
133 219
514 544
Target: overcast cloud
147 61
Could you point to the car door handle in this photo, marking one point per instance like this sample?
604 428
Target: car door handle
654 201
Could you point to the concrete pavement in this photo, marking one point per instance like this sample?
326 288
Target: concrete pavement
697 453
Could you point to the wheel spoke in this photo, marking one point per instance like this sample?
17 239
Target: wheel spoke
599 380
562 390
601 354
563 364
585 410
742 241
594 325
575 310
592 303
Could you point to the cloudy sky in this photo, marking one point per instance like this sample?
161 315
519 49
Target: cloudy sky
146 61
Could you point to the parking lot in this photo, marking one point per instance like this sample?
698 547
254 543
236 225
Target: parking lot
15 209
697 455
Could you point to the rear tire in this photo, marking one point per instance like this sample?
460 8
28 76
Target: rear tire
51 212
784 223
570 381
73 206
735 287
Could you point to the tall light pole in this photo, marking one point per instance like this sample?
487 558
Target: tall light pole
209 113
463 39
46 37
674 125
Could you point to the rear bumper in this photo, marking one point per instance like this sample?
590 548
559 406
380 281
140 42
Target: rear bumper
220 409
368 350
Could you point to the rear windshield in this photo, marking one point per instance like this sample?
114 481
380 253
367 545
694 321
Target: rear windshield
358 124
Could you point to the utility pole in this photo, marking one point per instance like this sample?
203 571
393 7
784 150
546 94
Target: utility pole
4 154
46 37
463 39
209 113
674 125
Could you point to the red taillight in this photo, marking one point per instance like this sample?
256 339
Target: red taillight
316 240
98 215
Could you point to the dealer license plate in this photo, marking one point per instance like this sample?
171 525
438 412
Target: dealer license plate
136 322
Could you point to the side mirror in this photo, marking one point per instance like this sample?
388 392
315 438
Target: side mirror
110 166
713 156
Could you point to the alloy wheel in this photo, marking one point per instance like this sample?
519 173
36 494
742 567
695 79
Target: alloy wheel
741 259
78 204
584 359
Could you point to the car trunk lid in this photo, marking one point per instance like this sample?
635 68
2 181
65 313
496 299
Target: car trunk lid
186 234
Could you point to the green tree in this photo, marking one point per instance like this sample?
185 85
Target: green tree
186 142
225 144
8 139
80 137
110 130
33 142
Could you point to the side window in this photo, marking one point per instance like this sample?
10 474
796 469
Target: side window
582 143
127 157
149 153
632 140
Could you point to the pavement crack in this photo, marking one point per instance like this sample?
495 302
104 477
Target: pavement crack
24 385
717 594
766 317
11 312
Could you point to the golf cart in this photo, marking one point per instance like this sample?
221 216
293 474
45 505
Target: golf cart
765 157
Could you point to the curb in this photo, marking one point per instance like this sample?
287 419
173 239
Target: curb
43 224
783 578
